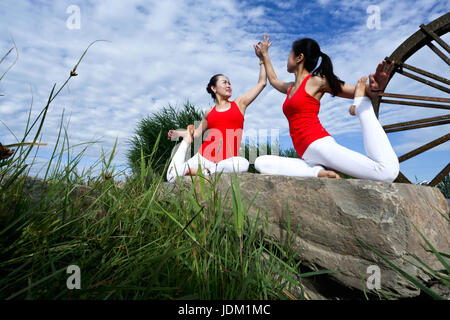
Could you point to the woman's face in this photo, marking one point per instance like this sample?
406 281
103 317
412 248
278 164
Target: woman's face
292 62
223 87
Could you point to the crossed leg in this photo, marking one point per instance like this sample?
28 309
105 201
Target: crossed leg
178 165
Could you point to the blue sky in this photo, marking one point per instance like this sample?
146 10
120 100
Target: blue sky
163 52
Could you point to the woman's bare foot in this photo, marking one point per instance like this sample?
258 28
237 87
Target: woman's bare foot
360 90
328 174
191 172
175 134
187 135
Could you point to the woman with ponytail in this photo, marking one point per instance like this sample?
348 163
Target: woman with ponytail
224 122
319 153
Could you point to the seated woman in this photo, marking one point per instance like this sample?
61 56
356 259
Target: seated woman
317 149
224 122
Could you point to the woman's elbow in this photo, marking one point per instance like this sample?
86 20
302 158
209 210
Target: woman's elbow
272 81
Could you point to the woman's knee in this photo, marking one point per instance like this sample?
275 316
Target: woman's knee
390 173
395 168
261 163
240 163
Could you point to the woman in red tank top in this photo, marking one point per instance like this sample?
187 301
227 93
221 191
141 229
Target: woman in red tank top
224 124
315 146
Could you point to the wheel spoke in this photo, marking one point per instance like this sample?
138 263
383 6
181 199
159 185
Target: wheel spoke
424 148
427 82
429 32
401 178
439 53
433 124
417 104
440 176
412 97
422 123
426 73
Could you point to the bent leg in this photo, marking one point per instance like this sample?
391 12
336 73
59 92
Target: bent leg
381 162
376 142
327 152
207 166
178 166
272 164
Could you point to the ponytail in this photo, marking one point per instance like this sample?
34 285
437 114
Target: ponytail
326 69
311 50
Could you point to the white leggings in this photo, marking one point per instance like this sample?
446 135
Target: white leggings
179 167
381 162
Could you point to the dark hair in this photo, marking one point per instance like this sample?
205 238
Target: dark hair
311 50
213 82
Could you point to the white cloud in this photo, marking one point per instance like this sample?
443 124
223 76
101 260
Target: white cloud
255 13
323 2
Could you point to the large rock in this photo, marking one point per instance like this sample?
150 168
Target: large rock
331 215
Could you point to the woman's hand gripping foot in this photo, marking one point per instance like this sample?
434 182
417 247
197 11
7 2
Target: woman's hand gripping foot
359 92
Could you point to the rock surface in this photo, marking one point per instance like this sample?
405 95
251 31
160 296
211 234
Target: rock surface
331 215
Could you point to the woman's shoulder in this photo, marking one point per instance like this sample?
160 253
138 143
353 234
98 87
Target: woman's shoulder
319 81
241 109
208 111
318 78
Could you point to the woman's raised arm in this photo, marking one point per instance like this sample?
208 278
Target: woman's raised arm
244 100
281 86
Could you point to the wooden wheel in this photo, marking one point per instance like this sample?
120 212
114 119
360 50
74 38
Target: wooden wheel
424 37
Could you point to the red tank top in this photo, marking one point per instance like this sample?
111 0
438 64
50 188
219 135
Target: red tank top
301 110
224 134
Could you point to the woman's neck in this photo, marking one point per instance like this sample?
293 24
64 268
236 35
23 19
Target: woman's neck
300 75
221 102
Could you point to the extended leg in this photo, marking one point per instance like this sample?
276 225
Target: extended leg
272 164
238 164
177 165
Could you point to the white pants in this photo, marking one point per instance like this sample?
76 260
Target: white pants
381 162
179 167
